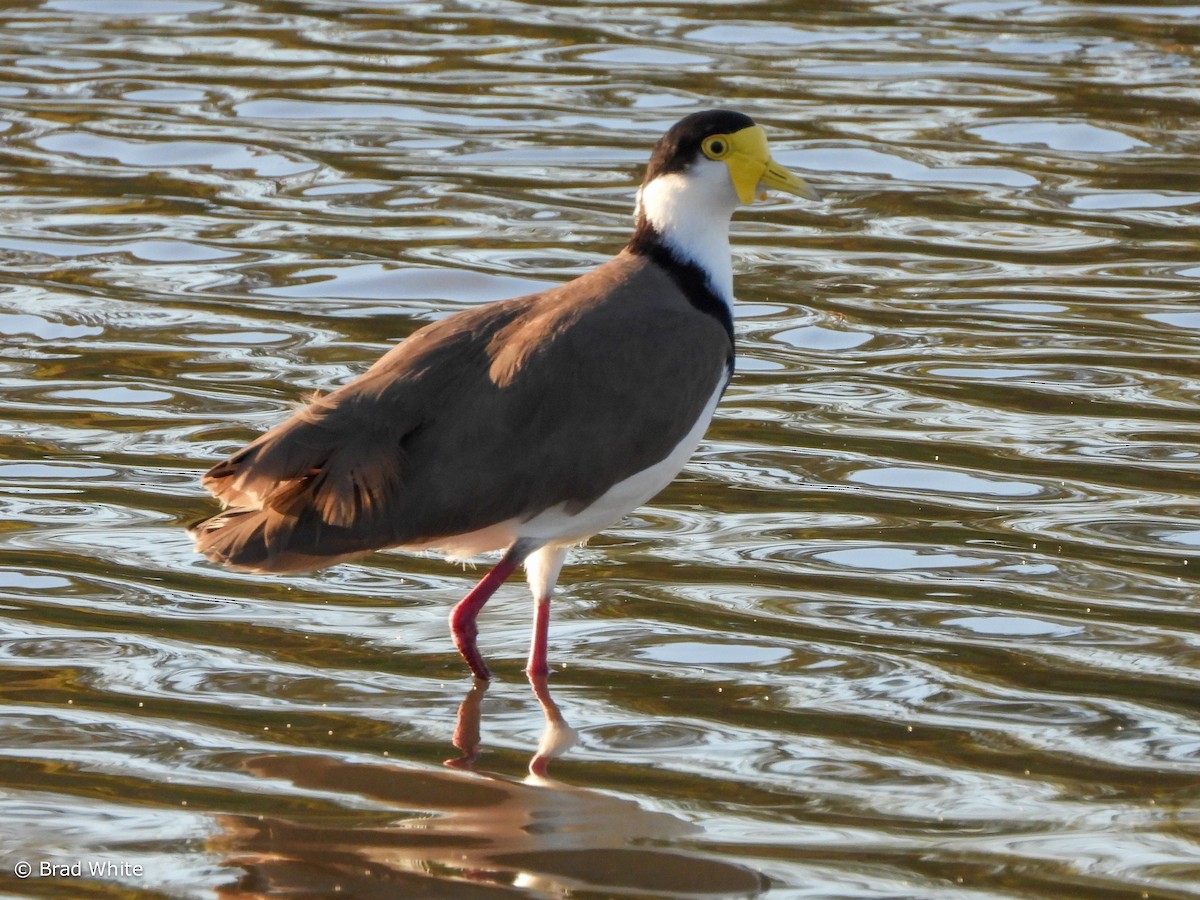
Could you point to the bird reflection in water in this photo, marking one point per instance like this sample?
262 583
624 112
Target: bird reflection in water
461 833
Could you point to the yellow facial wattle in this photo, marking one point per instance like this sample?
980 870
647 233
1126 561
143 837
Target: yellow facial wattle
749 160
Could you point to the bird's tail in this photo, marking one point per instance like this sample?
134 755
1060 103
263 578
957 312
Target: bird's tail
313 491
266 540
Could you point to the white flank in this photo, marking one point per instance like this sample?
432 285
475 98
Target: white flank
691 211
555 527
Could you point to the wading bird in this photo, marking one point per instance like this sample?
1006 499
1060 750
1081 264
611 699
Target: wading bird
524 425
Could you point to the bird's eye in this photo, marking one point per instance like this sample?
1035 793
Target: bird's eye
715 147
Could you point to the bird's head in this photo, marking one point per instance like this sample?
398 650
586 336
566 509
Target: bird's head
701 170
716 159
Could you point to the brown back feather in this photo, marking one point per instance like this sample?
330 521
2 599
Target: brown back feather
496 413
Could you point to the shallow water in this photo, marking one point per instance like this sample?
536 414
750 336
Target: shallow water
921 618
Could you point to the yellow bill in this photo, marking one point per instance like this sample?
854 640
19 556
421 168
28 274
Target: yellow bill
750 165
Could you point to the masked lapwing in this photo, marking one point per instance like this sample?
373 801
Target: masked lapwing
525 425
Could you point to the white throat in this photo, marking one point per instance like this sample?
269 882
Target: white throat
691 212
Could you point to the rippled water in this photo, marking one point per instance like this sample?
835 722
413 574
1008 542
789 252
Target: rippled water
921 619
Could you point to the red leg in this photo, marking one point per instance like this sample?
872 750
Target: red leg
538 664
542 567
462 617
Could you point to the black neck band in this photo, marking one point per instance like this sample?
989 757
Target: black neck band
690 278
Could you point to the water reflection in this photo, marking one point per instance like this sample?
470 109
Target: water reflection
465 832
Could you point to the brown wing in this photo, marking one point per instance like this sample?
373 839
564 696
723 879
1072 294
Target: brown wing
492 414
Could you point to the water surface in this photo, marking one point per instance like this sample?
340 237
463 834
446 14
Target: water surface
920 619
